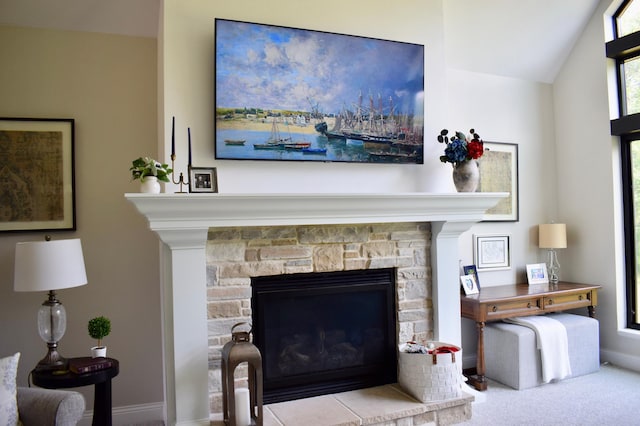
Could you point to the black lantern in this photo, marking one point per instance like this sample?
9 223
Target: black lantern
235 402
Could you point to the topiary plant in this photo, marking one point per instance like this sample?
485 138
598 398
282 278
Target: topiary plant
99 328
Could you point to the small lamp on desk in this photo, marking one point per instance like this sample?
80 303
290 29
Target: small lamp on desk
50 266
552 236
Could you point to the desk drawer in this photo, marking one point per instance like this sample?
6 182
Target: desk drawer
567 301
512 308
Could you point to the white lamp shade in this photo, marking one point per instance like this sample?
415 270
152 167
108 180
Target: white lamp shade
49 265
552 235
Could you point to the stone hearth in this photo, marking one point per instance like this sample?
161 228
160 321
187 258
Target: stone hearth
182 221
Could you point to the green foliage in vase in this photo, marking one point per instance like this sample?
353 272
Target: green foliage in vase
146 166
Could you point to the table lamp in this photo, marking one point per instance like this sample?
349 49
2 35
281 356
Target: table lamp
50 266
552 236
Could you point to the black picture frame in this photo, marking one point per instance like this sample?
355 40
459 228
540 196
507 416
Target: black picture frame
499 173
203 179
37 174
290 94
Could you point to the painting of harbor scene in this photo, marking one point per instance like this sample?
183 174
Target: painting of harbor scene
299 95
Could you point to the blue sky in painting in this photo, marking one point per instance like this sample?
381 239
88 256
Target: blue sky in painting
273 67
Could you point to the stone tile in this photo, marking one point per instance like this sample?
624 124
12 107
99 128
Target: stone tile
380 404
269 419
319 410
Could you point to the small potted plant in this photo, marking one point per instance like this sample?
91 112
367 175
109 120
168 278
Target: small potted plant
99 328
150 171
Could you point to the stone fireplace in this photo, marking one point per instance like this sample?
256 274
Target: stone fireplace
183 223
238 256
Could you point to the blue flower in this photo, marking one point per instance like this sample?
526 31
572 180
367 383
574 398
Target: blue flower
456 151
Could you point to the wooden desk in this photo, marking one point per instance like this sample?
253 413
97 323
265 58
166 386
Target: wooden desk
519 300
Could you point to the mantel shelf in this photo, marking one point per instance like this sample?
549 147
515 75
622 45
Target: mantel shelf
191 211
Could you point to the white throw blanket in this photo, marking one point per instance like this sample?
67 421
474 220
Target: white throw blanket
551 336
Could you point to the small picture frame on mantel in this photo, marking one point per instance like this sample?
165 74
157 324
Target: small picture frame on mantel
203 179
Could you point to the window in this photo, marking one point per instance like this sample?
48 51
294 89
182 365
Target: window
627 18
625 49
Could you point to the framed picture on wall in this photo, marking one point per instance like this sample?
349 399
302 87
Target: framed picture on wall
492 252
290 94
499 173
37 185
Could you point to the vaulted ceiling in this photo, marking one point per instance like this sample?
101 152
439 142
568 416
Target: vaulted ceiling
527 39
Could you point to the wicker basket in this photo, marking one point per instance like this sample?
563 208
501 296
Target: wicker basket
431 377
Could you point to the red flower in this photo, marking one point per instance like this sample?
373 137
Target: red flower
475 149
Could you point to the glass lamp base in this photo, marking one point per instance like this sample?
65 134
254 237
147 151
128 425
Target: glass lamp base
52 323
553 266
52 360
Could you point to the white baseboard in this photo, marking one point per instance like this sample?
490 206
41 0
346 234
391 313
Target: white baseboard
469 360
131 415
630 362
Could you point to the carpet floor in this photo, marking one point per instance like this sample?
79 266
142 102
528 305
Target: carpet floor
609 397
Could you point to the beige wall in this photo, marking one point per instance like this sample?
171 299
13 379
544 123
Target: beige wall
108 85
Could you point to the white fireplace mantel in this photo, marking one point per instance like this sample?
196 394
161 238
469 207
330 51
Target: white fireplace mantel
183 220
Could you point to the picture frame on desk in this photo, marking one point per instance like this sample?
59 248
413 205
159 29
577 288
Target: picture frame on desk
537 274
469 284
472 270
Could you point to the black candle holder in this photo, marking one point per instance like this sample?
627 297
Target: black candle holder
180 181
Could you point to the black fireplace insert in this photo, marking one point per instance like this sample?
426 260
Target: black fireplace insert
322 333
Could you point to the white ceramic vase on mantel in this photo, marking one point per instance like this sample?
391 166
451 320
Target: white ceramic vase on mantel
466 176
150 185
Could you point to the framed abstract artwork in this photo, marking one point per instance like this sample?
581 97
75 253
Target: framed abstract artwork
499 173
492 252
291 94
37 185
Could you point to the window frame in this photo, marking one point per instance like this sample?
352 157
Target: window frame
627 127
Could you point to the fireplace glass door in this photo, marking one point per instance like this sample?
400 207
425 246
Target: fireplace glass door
323 333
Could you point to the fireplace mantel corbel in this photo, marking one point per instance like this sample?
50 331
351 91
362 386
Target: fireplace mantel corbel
182 222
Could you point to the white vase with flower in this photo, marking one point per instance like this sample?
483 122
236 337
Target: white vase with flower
462 151
150 171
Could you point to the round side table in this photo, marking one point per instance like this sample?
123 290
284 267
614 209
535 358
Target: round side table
60 379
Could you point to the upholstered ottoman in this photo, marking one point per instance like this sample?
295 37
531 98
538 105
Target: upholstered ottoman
512 356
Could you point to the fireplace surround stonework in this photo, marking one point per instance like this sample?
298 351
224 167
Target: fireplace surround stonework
234 255
184 221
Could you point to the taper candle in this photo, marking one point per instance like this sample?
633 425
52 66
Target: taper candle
173 136
189 132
